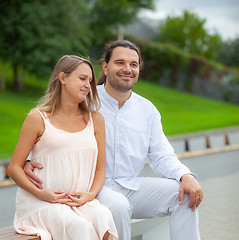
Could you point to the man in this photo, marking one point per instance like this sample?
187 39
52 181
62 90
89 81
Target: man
133 134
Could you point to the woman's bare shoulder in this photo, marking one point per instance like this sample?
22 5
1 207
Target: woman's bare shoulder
98 120
34 117
97 116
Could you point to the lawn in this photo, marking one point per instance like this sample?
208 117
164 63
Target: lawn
13 110
181 112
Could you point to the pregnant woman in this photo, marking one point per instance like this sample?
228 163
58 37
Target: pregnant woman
67 136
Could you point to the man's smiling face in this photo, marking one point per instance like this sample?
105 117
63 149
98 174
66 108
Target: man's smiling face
122 70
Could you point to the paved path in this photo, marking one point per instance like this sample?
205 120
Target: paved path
219 212
218 174
7 205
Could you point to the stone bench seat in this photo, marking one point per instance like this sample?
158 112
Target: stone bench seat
140 227
9 233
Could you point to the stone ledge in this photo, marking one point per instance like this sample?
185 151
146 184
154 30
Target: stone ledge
9 233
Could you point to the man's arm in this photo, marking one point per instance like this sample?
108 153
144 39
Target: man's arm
162 158
164 161
29 171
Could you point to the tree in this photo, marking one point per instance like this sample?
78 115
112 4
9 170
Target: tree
34 34
229 53
189 33
108 15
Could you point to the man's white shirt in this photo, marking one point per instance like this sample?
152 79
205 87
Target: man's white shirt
133 134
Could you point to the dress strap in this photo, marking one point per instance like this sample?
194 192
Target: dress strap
91 122
43 115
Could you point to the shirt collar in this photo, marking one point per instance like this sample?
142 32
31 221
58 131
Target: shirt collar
111 99
108 97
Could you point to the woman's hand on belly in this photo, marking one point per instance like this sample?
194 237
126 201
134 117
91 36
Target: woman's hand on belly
80 198
53 196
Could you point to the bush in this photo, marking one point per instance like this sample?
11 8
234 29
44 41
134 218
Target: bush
168 65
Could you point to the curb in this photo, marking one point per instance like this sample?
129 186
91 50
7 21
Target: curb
179 155
6 183
183 136
205 151
208 151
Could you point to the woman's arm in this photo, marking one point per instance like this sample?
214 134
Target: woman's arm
32 129
100 172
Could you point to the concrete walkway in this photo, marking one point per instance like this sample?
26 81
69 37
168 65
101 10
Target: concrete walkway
218 169
219 212
218 175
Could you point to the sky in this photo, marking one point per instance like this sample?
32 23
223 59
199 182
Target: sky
222 16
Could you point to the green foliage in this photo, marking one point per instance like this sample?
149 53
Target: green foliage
168 65
188 33
229 53
108 14
34 34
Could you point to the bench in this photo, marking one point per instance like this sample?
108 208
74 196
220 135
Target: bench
141 229
9 233
150 229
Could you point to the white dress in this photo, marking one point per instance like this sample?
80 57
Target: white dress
69 161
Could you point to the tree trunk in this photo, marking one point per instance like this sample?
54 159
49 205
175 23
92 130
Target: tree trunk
2 78
22 79
174 74
15 76
120 32
18 78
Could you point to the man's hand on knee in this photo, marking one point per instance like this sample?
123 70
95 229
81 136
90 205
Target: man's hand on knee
191 186
29 171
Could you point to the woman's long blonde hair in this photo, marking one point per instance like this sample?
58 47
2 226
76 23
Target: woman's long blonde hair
67 64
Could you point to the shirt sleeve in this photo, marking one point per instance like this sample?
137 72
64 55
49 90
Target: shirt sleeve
29 158
161 156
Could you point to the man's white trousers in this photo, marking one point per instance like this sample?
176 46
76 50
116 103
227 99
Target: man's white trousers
157 197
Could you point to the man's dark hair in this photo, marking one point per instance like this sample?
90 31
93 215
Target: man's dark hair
109 47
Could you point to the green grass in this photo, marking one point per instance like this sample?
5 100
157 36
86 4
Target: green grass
181 112
14 107
13 110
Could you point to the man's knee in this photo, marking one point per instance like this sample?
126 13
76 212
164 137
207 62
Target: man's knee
121 206
173 186
118 204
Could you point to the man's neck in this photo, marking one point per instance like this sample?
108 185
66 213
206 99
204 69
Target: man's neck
120 96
